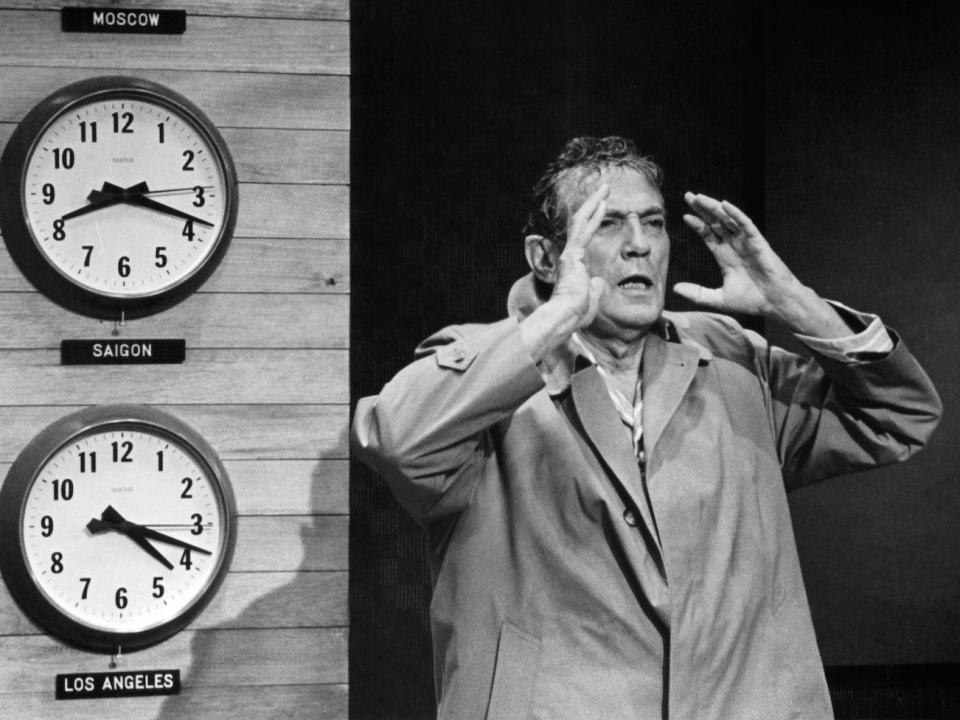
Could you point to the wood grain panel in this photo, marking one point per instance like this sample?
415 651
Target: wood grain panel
229 99
302 10
207 658
291 156
207 376
312 542
290 487
210 43
266 265
283 487
251 432
247 600
294 211
266 376
210 320
278 600
292 702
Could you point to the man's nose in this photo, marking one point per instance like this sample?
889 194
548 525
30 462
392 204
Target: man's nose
636 242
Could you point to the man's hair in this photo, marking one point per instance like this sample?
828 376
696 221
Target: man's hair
581 156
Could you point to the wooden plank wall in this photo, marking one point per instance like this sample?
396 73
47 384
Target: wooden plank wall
265 380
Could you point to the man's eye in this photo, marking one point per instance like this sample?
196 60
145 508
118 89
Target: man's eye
610 223
658 223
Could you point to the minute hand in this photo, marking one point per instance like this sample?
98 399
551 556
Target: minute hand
151 534
150 204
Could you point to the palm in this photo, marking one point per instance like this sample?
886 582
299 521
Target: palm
753 275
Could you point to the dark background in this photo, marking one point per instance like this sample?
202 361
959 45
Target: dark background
835 126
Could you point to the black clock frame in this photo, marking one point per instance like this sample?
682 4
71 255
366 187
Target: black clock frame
19 238
19 480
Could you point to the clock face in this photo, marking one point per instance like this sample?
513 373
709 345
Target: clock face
157 189
124 528
125 193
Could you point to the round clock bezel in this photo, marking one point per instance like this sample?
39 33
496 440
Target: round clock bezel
20 479
19 237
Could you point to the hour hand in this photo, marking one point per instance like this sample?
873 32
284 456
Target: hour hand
109 195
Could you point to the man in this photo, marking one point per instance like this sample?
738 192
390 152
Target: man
604 483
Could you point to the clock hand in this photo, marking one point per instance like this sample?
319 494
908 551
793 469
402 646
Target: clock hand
172 191
98 526
145 202
111 194
164 538
110 515
108 195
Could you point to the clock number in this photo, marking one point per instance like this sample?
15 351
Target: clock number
63 158
127 449
197 524
48 193
188 163
120 599
199 201
56 563
46 525
160 130
63 489
188 483
188 230
185 559
92 457
86 587
92 127
58 232
161 257
159 460
158 587
123 266
86 258
127 118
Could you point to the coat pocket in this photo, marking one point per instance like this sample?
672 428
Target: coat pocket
518 659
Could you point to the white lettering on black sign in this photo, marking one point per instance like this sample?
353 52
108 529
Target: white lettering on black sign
122 352
120 19
134 683
128 20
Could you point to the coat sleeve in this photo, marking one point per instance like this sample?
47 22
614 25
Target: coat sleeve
428 431
831 417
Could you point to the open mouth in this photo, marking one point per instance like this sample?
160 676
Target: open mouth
636 282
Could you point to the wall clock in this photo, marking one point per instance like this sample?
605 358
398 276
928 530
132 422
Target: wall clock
117 526
117 195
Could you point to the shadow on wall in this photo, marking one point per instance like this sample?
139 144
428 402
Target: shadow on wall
285 654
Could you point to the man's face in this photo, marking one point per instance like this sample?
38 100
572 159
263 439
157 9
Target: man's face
629 251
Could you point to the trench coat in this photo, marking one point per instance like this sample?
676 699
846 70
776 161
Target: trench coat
569 585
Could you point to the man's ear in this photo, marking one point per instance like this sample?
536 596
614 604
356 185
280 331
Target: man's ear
543 256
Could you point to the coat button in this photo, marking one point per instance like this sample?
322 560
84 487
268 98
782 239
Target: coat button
630 517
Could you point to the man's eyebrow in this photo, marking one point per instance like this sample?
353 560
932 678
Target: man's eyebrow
653 210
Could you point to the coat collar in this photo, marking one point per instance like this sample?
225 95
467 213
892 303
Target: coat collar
668 342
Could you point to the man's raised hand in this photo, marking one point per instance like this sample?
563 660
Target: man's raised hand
755 280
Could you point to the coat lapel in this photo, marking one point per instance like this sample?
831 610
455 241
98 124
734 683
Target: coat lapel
668 370
611 440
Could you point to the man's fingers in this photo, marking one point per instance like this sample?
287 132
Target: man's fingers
701 228
587 218
741 217
711 297
714 214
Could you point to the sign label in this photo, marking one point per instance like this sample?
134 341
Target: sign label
122 352
127 20
131 683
